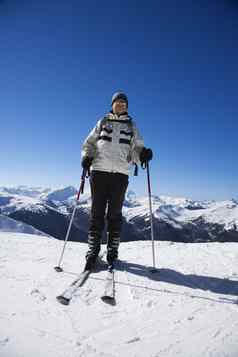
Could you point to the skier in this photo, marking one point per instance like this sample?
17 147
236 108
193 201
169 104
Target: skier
109 149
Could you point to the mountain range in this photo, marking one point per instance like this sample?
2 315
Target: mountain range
46 211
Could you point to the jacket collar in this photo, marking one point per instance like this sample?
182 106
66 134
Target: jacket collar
122 116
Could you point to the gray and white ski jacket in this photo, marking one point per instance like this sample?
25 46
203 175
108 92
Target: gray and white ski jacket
114 144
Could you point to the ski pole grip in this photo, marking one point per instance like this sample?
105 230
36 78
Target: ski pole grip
81 188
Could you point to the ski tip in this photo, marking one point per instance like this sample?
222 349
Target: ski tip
63 300
108 300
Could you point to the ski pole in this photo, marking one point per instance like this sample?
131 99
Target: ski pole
81 188
151 217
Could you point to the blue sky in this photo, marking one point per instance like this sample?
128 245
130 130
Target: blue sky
60 63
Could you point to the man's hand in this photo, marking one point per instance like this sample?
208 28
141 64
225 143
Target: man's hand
86 162
145 155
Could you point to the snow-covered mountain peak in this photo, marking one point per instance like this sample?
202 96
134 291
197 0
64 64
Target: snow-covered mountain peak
24 191
184 202
61 194
17 202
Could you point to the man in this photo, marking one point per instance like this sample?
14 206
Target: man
110 148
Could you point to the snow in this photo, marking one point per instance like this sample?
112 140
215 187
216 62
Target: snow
187 309
222 212
19 202
62 194
24 190
177 211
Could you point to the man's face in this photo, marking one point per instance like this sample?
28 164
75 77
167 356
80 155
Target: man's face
119 106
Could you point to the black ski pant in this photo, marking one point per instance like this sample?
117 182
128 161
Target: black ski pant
108 193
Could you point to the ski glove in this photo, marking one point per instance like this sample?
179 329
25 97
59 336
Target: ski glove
86 162
145 155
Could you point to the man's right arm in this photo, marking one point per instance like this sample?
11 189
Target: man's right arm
137 144
89 145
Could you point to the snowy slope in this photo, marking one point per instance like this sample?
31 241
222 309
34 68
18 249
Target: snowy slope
188 309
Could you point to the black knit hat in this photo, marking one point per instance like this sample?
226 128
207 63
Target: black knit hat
119 95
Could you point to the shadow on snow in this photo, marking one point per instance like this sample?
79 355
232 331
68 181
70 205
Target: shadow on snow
207 283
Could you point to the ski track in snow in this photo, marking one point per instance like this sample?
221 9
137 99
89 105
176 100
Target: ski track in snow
187 309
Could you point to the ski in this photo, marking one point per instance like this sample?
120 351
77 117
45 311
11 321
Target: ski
67 295
109 288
